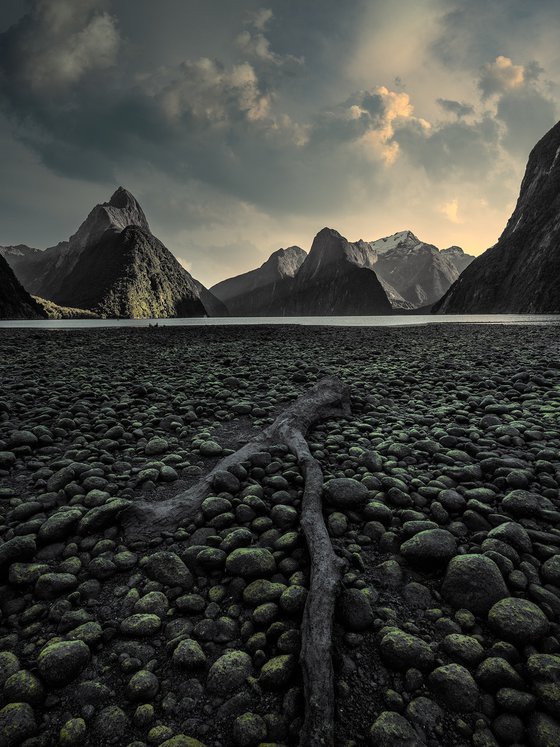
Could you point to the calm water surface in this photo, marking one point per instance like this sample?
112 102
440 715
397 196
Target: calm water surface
397 320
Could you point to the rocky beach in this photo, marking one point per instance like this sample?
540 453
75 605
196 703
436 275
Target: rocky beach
441 499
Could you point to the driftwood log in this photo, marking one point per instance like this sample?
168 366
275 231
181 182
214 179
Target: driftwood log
142 521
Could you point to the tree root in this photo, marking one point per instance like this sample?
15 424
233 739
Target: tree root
141 521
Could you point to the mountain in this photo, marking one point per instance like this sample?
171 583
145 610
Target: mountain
458 257
19 255
520 273
418 273
114 266
411 273
130 274
15 301
262 292
336 279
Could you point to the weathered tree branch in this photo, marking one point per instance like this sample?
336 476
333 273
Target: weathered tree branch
328 398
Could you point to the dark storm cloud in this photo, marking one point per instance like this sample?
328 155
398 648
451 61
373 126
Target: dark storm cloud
222 122
527 115
456 149
474 32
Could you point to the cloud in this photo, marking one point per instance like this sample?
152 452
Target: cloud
465 150
526 115
253 43
522 104
58 43
459 108
369 119
500 76
211 94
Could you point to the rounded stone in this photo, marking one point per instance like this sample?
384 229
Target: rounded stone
518 620
155 446
544 670
111 724
402 650
210 449
250 562
61 662
543 730
454 685
249 730
521 503
189 655
293 600
181 740
345 492
430 547
73 733
390 729
463 648
277 672
140 625
168 569
473 582
142 686
17 723
229 672
550 570
23 687
9 664
261 591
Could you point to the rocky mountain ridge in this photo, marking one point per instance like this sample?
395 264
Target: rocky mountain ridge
114 266
15 301
519 274
413 274
262 291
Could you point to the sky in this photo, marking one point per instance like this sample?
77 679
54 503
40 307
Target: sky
245 126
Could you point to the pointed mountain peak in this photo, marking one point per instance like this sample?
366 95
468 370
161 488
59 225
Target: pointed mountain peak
328 233
122 198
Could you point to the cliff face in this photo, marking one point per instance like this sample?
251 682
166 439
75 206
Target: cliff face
44 273
262 292
336 278
131 274
418 273
114 266
15 301
520 273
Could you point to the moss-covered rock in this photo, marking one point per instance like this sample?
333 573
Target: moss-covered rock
518 620
250 562
277 672
229 672
17 723
61 662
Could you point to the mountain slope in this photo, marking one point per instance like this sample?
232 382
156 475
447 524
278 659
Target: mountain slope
336 279
520 273
131 274
417 272
262 292
114 266
457 257
15 301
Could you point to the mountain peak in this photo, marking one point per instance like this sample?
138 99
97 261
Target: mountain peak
327 232
122 199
